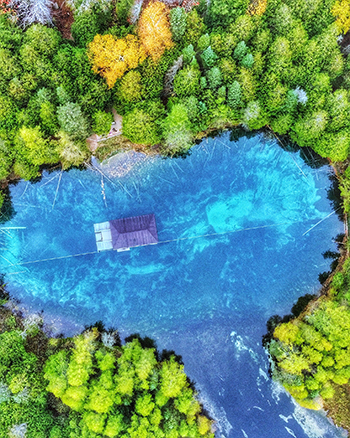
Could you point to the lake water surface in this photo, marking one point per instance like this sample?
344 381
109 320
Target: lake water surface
208 298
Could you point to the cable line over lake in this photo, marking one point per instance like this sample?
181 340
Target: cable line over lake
163 241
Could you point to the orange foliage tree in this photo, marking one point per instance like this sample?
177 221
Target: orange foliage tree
154 30
111 57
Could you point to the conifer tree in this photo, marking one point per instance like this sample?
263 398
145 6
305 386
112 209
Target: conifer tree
209 57
234 94
178 23
214 78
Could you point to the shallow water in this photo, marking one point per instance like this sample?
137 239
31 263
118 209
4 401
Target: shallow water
208 298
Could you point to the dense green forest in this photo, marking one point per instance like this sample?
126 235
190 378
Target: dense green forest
91 386
172 72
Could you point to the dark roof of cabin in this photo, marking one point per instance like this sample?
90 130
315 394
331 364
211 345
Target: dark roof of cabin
134 231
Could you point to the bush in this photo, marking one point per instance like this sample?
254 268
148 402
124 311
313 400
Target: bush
140 127
102 122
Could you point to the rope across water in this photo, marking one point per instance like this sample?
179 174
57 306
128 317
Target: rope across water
167 241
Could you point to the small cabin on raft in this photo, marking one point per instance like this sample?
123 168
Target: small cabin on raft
126 233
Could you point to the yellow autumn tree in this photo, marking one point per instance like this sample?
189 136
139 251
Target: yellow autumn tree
257 7
341 11
154 30
111 57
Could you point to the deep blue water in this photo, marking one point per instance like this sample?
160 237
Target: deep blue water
207 298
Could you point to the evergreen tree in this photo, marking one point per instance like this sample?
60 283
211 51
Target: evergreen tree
214 78
188 54
240 51
234 94
209 57
178 23
248 61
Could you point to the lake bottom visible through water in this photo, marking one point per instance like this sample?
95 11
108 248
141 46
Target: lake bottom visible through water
208 298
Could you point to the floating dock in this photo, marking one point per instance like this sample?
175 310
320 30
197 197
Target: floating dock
126 233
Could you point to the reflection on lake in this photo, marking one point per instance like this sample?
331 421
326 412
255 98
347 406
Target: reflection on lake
208 298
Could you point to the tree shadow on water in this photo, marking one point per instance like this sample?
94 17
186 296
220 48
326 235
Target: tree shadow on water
334 195
7 211
312 159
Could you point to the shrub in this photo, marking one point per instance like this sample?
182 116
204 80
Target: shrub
102 122
140 127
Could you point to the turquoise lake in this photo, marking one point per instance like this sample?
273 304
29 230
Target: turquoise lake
208 298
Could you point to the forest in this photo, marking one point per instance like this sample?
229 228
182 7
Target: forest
92 386
173 71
